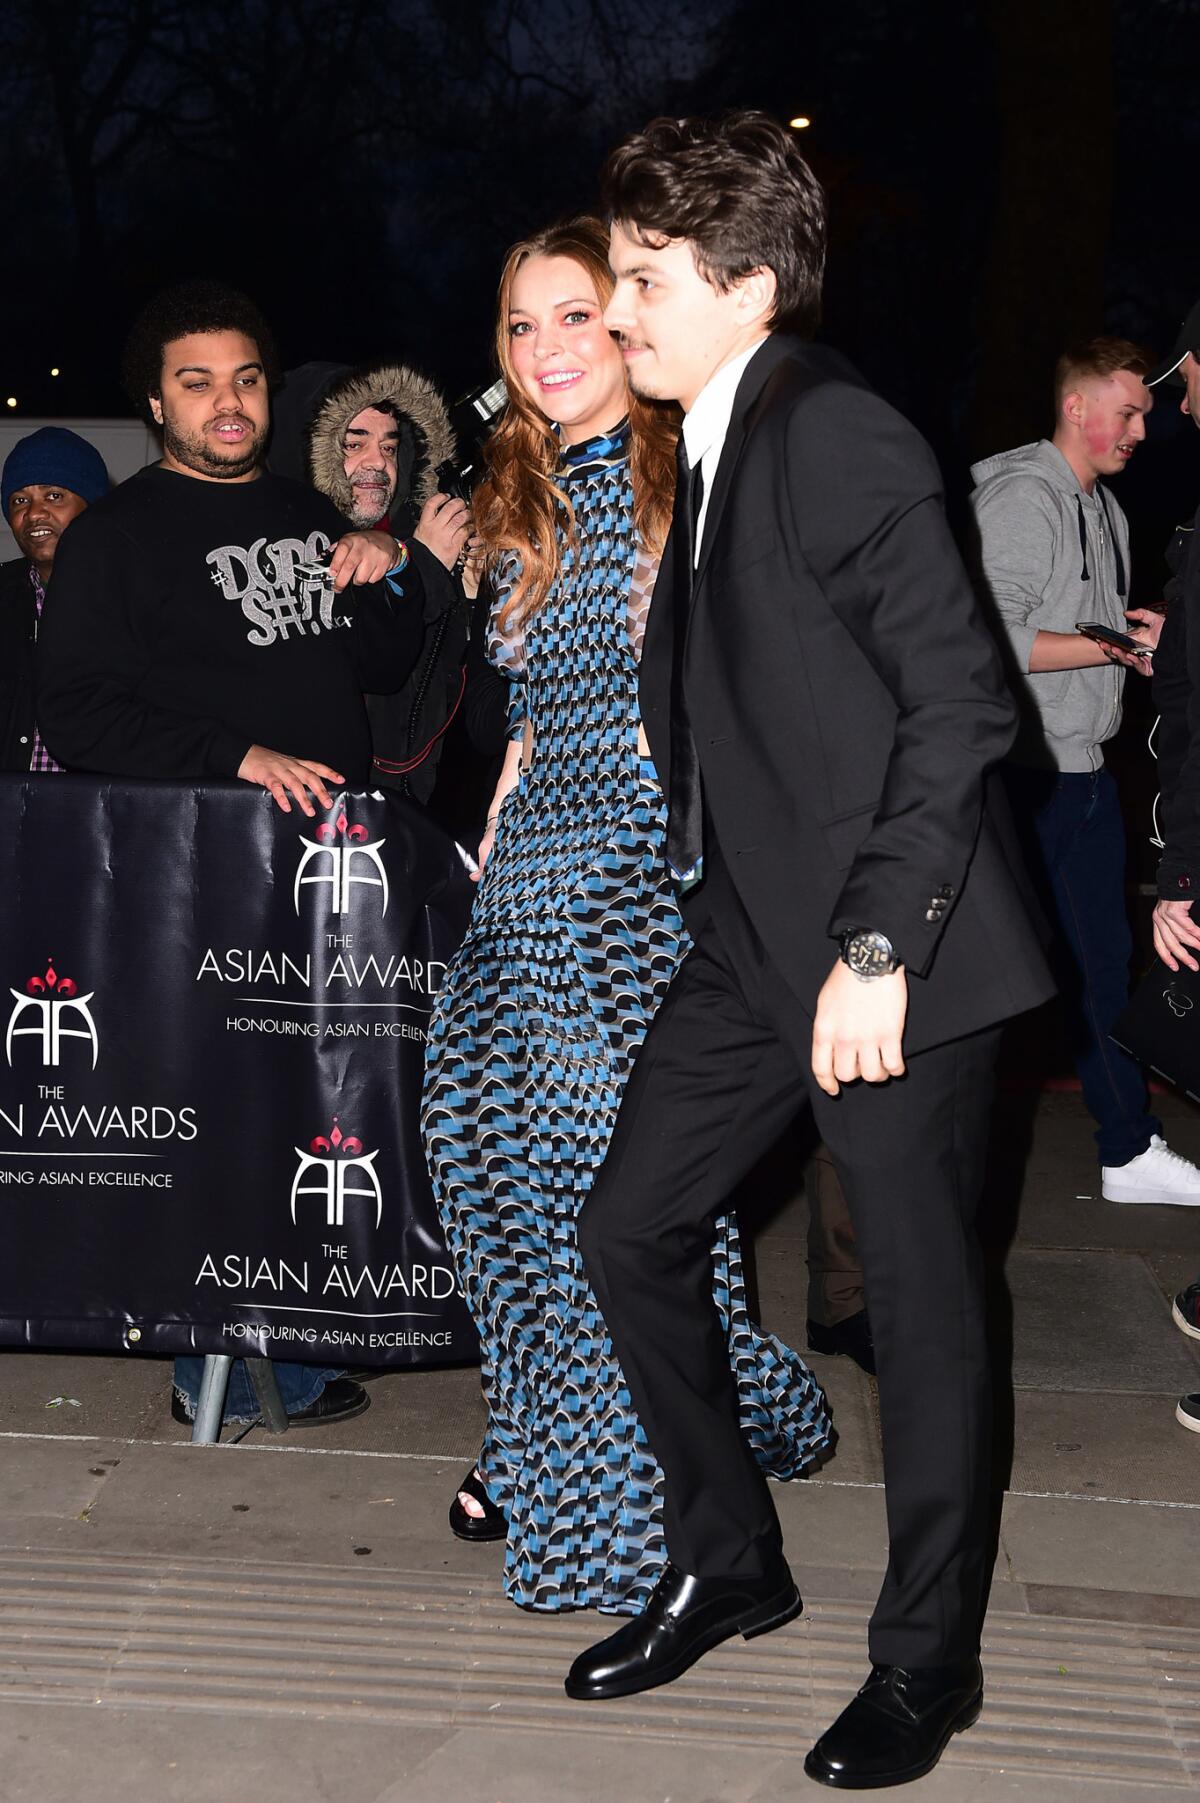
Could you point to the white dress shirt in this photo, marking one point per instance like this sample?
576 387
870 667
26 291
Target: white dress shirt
706 423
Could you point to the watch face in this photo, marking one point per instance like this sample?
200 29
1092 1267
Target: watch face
870 955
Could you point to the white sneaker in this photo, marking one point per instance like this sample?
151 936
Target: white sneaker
1187 1412
1155 1175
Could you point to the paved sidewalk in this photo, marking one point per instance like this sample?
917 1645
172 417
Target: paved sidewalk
291 1620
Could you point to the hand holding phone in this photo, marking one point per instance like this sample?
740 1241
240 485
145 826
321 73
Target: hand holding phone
1108 635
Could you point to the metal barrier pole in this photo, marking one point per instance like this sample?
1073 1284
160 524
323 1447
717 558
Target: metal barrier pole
210 1405
262 1376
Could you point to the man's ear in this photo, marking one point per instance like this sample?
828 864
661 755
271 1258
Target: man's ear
756 296
155 408
1072 408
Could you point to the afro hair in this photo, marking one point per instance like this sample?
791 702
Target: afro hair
176 313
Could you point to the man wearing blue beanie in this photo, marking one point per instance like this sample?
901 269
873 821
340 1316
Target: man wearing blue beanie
48 478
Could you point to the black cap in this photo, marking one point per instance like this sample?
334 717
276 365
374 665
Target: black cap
1188 340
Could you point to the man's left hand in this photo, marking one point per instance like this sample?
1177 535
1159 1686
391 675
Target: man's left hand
1146 626
1176 934
858 1028
361 557
444 527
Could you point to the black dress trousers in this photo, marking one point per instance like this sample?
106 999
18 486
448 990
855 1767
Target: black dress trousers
725 1066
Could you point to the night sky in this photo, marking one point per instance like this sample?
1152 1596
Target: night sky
1003 176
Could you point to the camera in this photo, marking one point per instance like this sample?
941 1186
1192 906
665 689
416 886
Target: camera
472 417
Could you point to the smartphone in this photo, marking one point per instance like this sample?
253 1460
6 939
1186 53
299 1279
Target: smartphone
1107 635
314 567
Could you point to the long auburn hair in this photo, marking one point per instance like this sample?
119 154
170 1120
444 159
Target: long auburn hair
518 505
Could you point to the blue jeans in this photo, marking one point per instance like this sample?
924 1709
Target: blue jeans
299 1385
1074 838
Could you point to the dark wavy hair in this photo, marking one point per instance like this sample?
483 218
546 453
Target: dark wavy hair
176 313
738 190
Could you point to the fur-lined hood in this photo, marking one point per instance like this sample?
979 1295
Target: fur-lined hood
426 438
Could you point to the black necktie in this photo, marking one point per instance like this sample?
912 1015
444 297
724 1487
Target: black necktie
685 821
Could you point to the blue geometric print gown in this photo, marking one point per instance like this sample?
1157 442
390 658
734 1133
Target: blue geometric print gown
574 938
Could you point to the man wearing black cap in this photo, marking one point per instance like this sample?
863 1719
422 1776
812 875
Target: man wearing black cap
49 477
1176 688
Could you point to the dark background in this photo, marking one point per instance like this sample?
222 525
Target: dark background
1004 176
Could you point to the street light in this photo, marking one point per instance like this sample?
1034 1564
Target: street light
11 401
800 123
56 371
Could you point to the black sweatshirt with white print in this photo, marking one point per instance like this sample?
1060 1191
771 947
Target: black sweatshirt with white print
177 632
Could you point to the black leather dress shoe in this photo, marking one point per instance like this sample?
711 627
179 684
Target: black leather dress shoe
897 1727
851 1336
684 1619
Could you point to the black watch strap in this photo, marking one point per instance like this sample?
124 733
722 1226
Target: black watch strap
868 953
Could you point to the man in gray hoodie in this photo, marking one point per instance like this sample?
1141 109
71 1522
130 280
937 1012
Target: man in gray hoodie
1054 552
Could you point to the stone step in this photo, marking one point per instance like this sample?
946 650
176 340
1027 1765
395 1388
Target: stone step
1110 1700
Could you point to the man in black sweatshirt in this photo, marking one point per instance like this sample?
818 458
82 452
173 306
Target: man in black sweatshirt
191 632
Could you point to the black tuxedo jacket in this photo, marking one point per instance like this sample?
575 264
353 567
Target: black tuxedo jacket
847 700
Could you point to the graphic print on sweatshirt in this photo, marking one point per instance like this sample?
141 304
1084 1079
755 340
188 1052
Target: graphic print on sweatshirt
278 601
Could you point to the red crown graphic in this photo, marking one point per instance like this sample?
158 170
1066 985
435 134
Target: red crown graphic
347 1146
62 986
354 834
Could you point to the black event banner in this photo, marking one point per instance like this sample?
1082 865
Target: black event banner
214 1018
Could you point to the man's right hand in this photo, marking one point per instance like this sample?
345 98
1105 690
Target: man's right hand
1174 931
858 1028
443 528
284 776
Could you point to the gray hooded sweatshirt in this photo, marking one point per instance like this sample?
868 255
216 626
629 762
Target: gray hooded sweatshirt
1051 555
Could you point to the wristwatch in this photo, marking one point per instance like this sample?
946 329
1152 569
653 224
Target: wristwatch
868 954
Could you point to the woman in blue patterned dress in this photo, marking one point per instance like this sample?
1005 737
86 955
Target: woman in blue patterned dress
575 936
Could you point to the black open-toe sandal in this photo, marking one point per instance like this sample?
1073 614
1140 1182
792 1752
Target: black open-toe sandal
491 1525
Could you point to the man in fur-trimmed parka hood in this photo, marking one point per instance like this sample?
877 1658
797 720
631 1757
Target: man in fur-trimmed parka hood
389 422
374 446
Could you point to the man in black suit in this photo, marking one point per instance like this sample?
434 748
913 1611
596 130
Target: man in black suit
822 700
